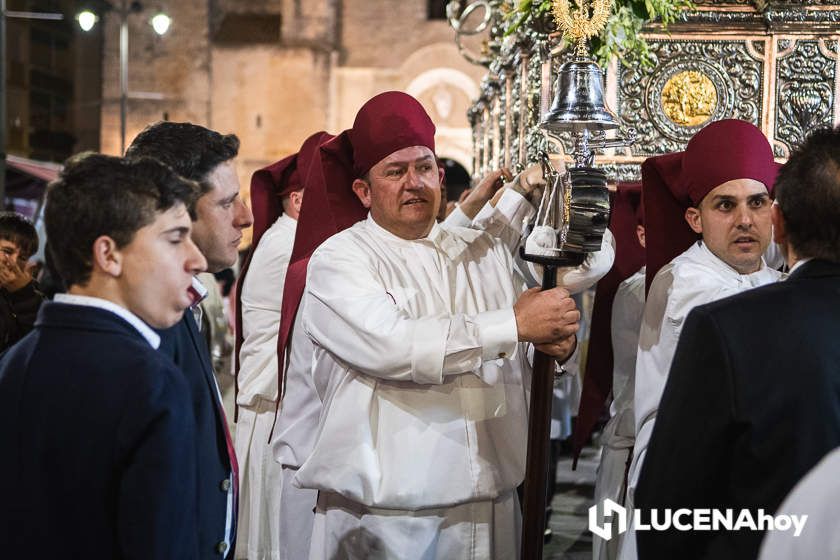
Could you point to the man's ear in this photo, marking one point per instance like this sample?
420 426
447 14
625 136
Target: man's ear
640 234
106 256
692 216
779 226
296 198
441 174
362 190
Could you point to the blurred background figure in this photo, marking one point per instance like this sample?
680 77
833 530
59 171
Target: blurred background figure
20 297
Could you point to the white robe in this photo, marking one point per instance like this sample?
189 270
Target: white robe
297 424
262 297
263 491
693 278
425 404
296 427
818 496
619 433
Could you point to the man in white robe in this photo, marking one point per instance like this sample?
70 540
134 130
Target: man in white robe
266 533
752 401
419 336
296 426
619 433
721 183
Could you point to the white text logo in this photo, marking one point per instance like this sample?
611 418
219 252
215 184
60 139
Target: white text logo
684 519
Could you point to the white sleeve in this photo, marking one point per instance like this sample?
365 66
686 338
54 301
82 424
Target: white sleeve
457 218
349 313
296 424
671 297
507 220
575 279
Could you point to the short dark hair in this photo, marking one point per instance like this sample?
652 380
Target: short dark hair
99 195
191 150
20 231
808 194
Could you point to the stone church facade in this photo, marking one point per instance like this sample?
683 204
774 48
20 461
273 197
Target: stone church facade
275 71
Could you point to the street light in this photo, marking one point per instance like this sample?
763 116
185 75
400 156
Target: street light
160 23
87 20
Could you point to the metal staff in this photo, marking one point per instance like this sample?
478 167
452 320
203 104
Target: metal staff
573 214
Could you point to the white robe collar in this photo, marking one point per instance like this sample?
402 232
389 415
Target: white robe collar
438 237
700 252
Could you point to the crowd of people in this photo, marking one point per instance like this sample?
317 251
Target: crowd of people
384 348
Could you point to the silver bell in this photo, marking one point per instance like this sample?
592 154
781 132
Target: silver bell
579 100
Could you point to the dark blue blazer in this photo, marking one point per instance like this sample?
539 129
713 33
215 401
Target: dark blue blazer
752 403
185 345
93 427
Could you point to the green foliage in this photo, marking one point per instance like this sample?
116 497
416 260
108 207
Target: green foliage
622 36
524 13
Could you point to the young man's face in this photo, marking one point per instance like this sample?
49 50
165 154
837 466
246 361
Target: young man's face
734 219
13 270
404 192
221 217
158 267
9 251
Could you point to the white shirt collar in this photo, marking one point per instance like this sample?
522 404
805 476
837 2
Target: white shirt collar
384 233
286 220
437 236
797 264
88 301
724 266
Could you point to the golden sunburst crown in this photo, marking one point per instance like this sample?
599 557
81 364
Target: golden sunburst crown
579 25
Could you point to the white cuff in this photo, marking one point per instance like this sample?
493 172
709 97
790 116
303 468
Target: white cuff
485 213
457 218
497 333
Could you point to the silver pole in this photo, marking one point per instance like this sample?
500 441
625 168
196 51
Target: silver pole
123 74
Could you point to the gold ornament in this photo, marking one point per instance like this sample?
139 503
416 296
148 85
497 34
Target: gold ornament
579 26
689 98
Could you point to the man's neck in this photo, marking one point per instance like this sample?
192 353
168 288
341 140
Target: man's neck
791 258
94 289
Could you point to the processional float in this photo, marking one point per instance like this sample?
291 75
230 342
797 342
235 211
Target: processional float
572 216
